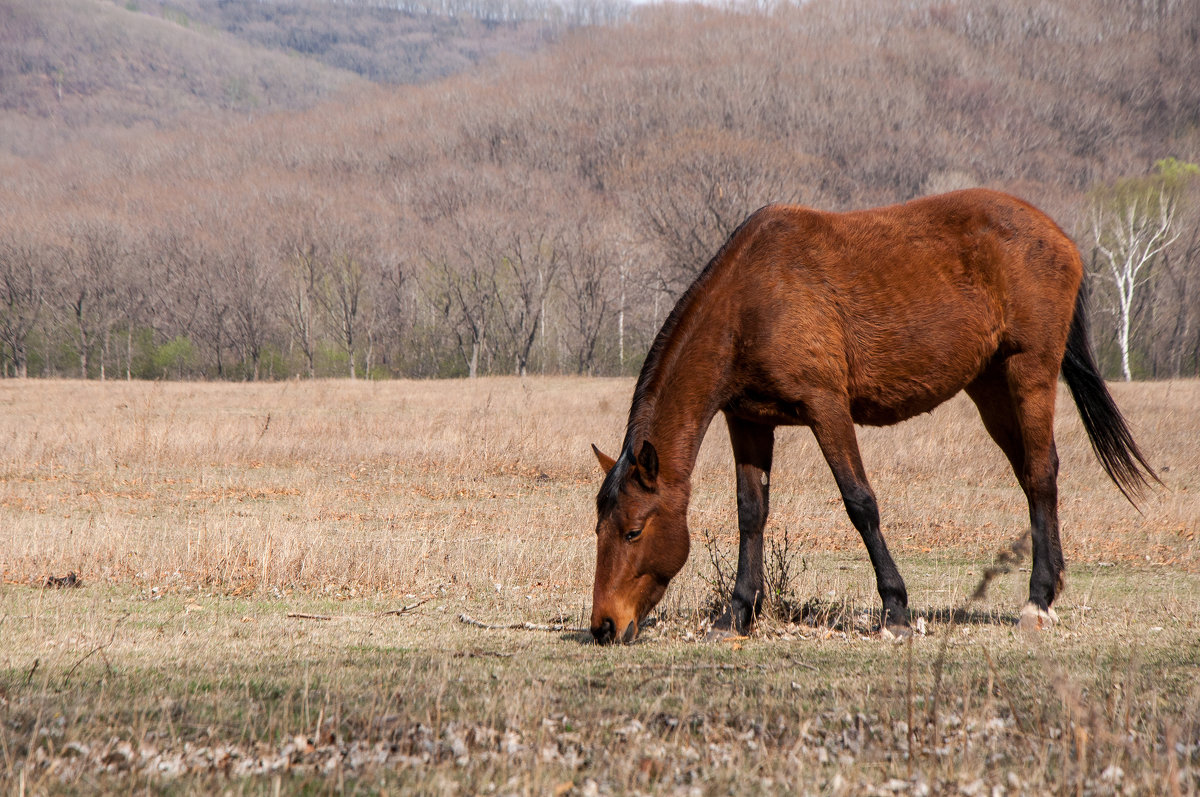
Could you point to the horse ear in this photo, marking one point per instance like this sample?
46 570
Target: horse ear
647 462
606 462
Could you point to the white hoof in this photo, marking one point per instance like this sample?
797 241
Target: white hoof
1034 618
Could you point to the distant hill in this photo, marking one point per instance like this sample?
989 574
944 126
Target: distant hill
72 69
75 67
382 44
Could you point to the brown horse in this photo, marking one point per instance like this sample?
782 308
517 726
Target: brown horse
871 317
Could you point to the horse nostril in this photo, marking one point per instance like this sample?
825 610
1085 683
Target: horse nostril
605 632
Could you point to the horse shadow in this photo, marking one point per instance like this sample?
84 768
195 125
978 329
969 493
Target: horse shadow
817 614
840 616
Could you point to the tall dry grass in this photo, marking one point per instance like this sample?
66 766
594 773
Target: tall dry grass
406 486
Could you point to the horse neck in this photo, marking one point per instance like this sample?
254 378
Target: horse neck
680 390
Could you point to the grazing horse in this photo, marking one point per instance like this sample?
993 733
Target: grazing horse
828 320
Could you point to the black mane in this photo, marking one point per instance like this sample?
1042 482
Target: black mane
610 489
654 358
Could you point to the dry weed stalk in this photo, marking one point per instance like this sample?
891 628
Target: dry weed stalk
1008 558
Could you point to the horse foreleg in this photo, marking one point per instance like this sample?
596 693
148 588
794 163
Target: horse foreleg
834 430
753 445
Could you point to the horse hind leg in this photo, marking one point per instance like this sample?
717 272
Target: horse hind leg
1016 402
753 445
834 430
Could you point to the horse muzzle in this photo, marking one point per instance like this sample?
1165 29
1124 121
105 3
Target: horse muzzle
606 632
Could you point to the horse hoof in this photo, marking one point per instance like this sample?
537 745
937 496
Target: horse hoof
895 633
1034 618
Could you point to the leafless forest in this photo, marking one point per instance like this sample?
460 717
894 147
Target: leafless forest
269 190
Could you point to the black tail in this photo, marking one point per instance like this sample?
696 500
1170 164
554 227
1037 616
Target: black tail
1106 427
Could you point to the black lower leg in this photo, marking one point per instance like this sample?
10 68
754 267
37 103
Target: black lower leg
752 447
864 514
1039 479
834 431
749 586
1046 572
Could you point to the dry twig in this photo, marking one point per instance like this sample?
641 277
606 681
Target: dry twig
390 612
468 620
405 610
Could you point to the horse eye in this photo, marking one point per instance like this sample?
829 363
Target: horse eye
632 535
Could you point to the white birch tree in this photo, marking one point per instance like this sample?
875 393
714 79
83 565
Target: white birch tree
1133 222
1129 237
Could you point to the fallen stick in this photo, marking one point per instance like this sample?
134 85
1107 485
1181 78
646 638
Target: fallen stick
389 612
467 619
405 610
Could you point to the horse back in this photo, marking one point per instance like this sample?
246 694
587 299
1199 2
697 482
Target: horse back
899 308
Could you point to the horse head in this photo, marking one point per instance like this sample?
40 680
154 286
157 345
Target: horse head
641 541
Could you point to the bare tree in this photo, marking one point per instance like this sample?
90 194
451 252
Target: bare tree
302 277
251 288
590 295
1180 341
86 287
522 278
132 298
342 295
181 286
1130 234
22 293
460 285
390 305
691 195
464 295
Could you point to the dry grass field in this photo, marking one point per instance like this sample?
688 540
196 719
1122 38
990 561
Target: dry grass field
271 579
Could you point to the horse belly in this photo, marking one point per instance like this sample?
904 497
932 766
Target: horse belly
914 364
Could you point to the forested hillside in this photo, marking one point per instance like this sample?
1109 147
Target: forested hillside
71 69
395 42
542 214
77 68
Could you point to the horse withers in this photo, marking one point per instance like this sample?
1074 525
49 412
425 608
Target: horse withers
827 320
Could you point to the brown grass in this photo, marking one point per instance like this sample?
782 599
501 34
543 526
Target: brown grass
204 534
403 486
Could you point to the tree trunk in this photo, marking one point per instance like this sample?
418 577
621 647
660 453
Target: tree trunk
621 321
1123 333
104 353
20 360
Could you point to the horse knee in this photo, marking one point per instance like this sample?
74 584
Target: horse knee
752 503
861 507
752 514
